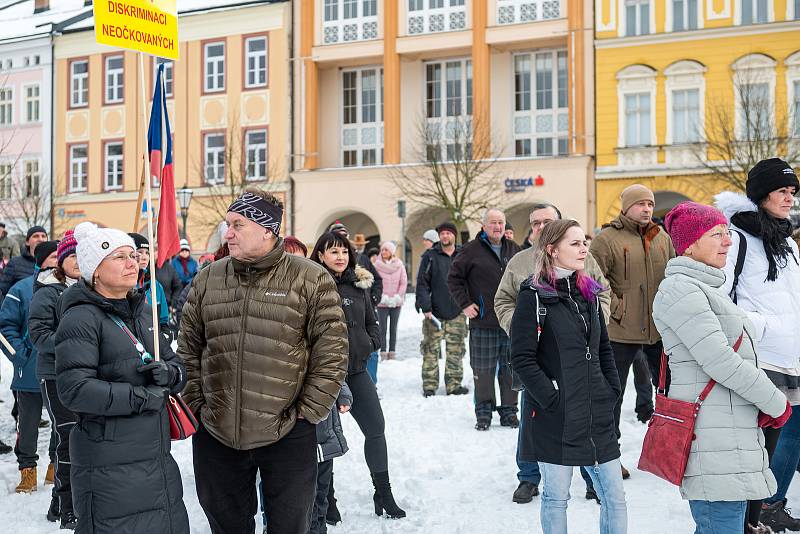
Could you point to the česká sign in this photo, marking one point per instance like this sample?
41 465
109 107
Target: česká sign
519 185
149 26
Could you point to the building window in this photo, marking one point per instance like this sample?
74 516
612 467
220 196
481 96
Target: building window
637 119
114 166
436 16
115 79
685 116
31 178
6 106
215 67
169 73
684 15
362 117
754 111
256 154
78 168
448 105
754 11
541 114
685 90
214 150
32 103
637 17
796 14
79 85
5 180
256 61
796 107
349 20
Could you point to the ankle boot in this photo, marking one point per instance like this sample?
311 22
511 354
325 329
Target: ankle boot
391 355
50 476
384 355
383 498
27 481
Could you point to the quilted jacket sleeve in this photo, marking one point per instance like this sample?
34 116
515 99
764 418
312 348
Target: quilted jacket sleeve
42 318
328 350
191 340
12 324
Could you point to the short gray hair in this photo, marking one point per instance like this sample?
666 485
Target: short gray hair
485 217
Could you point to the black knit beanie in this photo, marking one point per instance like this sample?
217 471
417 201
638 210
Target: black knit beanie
769 175
43 250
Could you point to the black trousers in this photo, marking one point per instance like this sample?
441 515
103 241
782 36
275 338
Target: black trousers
324 480
30 414
637 356
225 479
368 414
389 319
771 436
61 422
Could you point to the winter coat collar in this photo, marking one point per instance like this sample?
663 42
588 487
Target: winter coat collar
388 267
622 222
701 272
730 204
47 278
562 289
437 248
80 293
358 277
262 264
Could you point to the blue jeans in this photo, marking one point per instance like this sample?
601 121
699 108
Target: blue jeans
372 367
718 517
607 479
785 459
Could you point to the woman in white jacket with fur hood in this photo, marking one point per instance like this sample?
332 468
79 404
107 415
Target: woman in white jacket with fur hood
768 290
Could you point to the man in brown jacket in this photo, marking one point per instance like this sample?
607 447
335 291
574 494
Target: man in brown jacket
633 252
264 343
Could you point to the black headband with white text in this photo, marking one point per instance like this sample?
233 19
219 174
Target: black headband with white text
259 211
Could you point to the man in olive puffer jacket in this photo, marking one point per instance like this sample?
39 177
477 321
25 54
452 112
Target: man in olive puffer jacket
265 348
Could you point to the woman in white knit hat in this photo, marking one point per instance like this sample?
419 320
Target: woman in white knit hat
124 479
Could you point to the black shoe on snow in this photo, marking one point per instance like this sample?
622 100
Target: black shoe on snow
778 518
591 494
510 420
68 521
525 492
483 424
333 516
54 512
458 390
428 393
5 449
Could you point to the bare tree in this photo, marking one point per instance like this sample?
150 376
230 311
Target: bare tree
456 169
24 197
757 128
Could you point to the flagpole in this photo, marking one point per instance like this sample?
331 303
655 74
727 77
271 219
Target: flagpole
140 196
151 240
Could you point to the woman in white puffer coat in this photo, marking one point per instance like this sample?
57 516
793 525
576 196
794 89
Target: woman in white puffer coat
700 328
768 290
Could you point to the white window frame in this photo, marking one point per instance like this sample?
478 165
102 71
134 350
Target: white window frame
447 124
448 11
558 136
362 26
631 80
739 9
6 180
524 11
32 105
256 58
793 10
169 74
359 127
79 85
793 91
685 75
114 83
82 163
752 69
253 157
218 155
670 18
114 166
623 18
31 177
6 106
217 84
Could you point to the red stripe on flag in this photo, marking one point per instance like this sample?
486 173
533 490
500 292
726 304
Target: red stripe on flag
168 240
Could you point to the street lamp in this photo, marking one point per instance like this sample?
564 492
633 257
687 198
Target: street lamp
184 199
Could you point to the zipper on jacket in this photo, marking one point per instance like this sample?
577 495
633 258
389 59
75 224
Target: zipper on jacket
239 358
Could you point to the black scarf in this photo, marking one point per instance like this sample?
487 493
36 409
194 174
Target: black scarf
773 234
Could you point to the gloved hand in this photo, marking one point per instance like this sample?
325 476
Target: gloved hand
161 373
149 398
765 420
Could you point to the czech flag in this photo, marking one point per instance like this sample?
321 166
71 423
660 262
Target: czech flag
167 234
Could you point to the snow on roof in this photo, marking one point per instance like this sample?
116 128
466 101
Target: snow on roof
18 20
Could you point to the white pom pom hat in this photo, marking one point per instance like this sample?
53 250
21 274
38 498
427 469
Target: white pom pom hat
95 243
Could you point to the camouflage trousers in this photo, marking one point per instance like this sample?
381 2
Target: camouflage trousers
454 333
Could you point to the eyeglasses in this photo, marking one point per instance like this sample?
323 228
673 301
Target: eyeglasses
536 224
124 257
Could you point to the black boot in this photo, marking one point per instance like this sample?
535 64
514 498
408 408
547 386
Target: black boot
5 449
68 520
54 512
778 517
508 416
483 415
383 498
332 516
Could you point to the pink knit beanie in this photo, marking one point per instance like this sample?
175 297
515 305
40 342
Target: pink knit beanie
688 221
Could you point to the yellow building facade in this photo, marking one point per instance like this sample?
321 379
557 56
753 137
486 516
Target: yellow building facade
667 71
227 99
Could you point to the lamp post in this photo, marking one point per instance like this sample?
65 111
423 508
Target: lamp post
184 199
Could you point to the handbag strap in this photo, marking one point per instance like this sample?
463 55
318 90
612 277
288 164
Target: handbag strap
146 356
662 374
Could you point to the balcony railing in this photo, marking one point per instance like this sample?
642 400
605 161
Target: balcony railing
520 11
448 18
349 30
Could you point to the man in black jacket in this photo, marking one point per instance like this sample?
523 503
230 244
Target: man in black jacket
473 281
22 266
434 300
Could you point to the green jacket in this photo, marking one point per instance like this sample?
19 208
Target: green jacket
633 261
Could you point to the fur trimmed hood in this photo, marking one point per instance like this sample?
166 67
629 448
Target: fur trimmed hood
730 203
364 278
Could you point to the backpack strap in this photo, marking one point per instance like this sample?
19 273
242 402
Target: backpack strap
737 270
541 316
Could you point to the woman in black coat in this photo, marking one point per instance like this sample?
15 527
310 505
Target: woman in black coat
561 352
124 479
334 252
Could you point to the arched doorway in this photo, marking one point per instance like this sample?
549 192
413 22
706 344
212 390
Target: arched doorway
356 223
666 200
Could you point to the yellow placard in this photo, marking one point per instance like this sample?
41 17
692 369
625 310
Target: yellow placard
149 26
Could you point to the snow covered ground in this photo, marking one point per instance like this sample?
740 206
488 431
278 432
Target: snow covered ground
449 478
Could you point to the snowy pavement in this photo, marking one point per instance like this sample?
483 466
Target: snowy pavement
450 478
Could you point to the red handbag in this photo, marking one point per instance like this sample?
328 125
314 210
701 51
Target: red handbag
670 433
182 422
